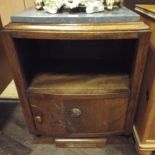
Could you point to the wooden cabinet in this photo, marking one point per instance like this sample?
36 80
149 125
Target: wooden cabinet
144 129
78 80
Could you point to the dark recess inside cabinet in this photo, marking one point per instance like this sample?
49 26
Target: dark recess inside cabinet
74 58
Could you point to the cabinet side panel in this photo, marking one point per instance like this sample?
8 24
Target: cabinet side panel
19 79
152 119
136 78
145 116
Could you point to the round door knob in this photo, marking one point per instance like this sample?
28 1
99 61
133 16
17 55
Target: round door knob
76 112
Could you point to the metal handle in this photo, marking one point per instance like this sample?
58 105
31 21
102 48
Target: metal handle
76 112
38 119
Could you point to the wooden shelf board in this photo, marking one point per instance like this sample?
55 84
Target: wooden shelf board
48 83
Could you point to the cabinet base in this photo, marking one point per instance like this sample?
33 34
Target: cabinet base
142 148
144 152
81 143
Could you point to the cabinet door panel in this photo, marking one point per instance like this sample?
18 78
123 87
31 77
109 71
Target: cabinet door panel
51 112
96 115
78 115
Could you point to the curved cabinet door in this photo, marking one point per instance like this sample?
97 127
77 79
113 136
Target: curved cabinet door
79 115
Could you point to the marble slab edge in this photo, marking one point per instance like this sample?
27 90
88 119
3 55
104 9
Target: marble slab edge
38 17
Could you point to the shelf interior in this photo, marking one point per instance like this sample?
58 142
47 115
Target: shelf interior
79 83
76 66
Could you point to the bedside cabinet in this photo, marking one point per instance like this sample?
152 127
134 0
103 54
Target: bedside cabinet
78 80
144 128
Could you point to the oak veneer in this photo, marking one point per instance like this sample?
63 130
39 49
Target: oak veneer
79 84
103 77
144 129
92 122
77 31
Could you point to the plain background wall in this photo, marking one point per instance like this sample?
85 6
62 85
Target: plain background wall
10 7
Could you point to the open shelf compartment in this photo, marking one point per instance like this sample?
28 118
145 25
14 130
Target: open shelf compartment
76 66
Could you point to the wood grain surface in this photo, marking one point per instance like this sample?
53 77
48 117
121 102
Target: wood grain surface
144 125
82 31
31 48
56 114
62 84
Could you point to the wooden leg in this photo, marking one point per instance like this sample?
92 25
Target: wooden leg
144 152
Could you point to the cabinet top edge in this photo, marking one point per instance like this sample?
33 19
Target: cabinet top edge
131 26
147 10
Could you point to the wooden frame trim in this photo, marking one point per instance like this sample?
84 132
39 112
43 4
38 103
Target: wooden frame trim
140 9
77 31
142 146
137 75
19 80
75 27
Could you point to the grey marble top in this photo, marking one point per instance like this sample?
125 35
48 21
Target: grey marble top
116 15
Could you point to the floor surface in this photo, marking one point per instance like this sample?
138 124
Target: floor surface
15 139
